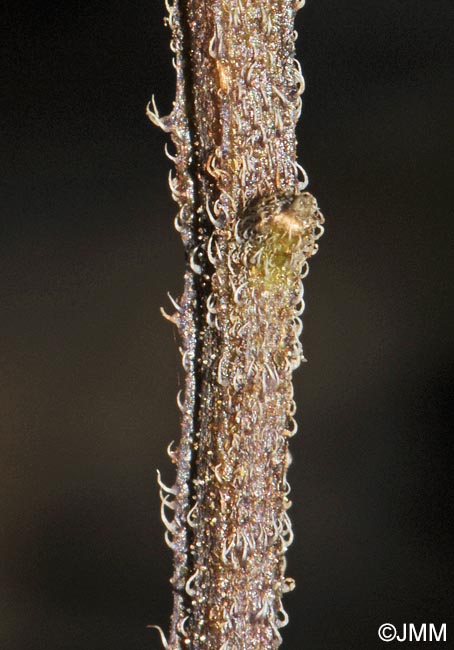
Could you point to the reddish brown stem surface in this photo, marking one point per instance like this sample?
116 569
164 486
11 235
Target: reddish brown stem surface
248 229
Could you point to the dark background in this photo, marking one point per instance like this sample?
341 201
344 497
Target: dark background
89 369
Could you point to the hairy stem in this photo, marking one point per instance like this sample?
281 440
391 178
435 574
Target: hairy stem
248 229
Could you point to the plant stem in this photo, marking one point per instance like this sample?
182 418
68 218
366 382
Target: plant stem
248 229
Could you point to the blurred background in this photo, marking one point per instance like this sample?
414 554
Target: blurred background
89 370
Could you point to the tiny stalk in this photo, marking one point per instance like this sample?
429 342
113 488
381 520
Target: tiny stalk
248 228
